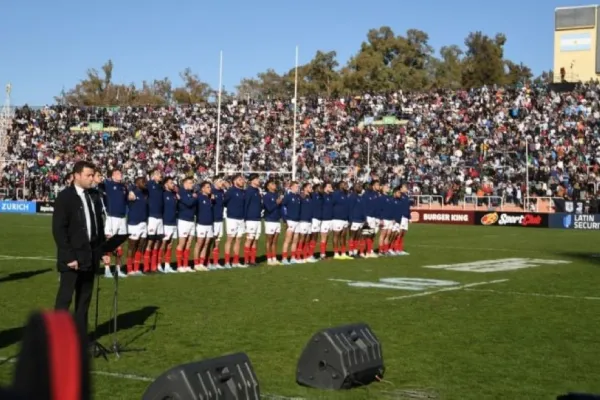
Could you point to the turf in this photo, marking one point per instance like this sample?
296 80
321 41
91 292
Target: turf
517 339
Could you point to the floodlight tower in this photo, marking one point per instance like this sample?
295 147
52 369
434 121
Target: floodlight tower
5 123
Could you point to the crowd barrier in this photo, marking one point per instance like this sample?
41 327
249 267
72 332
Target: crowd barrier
562 220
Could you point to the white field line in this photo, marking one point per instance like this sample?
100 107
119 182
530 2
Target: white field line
448 289
554 296
140 378
40 258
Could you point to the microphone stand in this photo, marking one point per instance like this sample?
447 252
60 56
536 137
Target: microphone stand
117 348
98 350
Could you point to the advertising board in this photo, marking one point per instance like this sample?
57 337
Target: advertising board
499 218
587 222
44 207
17 207
442 217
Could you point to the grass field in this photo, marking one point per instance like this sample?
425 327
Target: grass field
529 333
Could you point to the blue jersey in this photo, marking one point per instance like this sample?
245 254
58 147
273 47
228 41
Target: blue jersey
204 210
169 208
357 212
306 209
155 199
291 207
234 202
371 203
115 199
218 204
380 204
317 199
252 204
272 209
138 208
388 208
340 205
404 207
186 206
327 208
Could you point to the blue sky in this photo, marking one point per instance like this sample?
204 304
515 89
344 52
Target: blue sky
48 45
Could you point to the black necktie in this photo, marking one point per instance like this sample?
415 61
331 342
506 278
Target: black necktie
88 200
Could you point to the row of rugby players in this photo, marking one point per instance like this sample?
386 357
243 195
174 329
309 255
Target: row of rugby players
154 213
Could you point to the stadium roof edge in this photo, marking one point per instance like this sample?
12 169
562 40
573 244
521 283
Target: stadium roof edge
571 7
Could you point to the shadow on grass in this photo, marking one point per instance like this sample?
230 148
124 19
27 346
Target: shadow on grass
129 320
592 258
17 276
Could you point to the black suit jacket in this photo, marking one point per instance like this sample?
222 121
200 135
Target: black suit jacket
70 232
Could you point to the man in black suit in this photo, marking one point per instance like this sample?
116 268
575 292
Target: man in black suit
78 230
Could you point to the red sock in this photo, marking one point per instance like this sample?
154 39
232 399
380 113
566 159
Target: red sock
383 248
284 255
335 250
299 251
227 258
136 261
307 251
351 245
154 262
247 255
216 255
401 244
179 255
361 246
313 245
253 255
167 255
323 248
236 258
201 261
343 249
369 245
119 252
147 256
186 258
129 264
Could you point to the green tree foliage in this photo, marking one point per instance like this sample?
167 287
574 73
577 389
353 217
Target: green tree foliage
384 62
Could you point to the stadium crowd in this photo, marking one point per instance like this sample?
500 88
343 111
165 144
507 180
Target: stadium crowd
443 143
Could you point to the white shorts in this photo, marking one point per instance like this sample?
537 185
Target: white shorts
303 228
253 229
139 231
272 228
325 226
235 227
185 229
170 232
339 225
387 225
155 226
404 224
373 223
356 226
396 227
316 225
204 231
218 230
115 226
291 226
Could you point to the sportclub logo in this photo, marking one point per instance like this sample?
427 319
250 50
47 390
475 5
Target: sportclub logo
511 220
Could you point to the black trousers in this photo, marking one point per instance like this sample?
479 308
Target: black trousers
80 283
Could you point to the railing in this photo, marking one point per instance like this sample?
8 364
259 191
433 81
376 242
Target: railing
432 201
3 193
542 204
22 196
486 201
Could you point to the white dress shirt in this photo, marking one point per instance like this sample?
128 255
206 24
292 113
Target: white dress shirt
88 213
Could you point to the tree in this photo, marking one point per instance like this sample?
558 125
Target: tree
193 90
449 70
517 74
484 60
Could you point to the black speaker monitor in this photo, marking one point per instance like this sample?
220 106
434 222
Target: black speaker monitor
229 377
341 358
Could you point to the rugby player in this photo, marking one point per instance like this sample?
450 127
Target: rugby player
169 225
234 203
137 225
186 211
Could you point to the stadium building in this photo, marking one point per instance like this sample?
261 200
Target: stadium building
576 41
